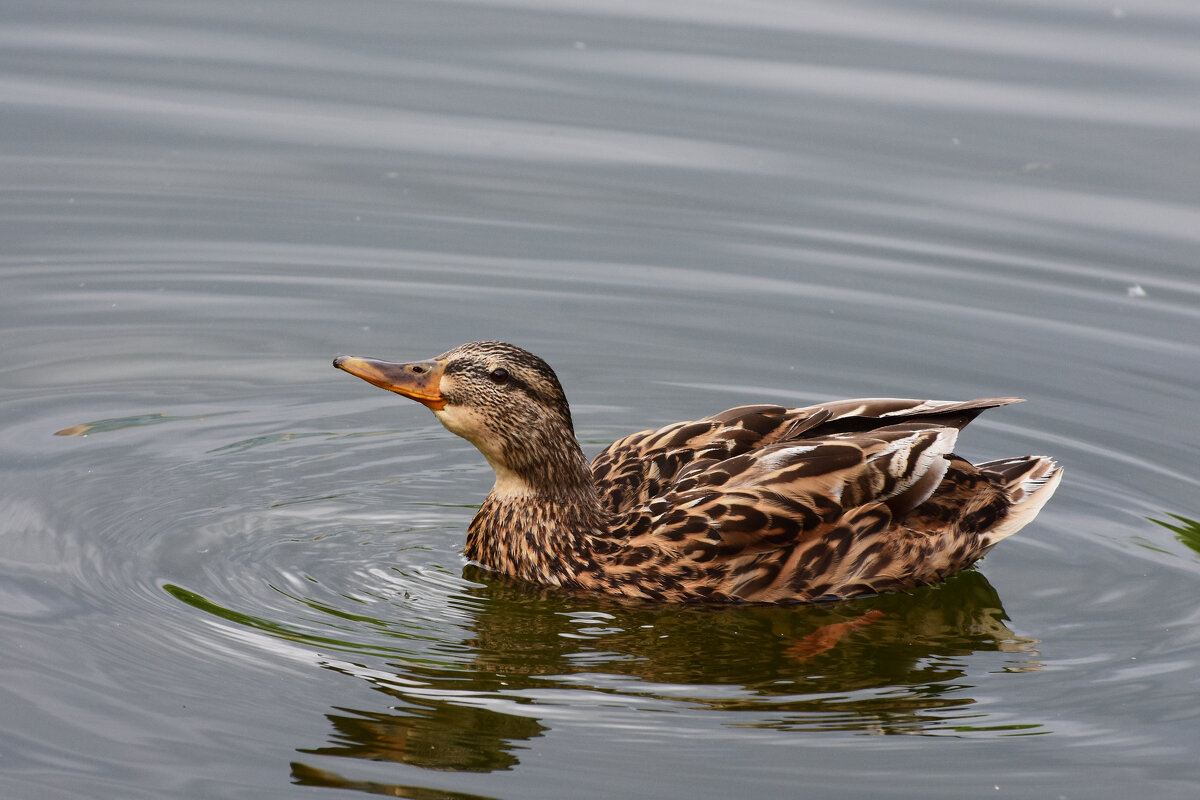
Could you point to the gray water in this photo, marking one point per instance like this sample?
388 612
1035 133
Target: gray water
237 572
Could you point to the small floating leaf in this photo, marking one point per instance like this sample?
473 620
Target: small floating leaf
119 423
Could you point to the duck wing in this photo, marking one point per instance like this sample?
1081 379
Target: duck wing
796 520
638 468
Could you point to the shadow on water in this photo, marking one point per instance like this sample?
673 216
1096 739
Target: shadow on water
893 664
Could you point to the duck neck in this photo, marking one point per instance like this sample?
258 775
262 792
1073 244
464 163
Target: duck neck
545 525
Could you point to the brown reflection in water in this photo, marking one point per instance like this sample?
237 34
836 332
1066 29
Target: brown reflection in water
304 775
433 734
891 640
889 664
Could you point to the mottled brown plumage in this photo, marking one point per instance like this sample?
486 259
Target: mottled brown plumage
757 503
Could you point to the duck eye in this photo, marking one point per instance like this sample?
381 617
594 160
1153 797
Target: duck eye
499 376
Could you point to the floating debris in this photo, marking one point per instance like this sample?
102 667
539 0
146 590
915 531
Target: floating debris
119 423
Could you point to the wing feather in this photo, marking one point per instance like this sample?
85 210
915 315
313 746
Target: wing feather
840 499
641 466
789 493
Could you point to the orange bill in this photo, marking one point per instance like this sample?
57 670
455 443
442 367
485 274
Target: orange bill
420 380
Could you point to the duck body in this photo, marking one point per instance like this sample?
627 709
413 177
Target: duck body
756 504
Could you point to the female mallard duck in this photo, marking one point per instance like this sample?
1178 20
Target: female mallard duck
757 503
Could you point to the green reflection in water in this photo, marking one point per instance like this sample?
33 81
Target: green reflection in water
894 664
889 664
1187 531
324 642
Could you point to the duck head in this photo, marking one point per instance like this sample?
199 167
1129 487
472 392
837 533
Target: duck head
504 400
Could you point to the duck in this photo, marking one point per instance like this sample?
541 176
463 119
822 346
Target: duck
755 504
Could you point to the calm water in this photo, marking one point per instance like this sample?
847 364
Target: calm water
240 577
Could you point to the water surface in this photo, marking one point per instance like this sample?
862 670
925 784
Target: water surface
237 573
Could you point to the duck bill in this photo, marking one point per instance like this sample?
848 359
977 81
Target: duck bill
420 380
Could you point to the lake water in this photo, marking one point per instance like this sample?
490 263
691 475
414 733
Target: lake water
238 572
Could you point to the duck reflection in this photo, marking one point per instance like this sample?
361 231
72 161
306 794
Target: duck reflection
888 664
837 647
434 734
